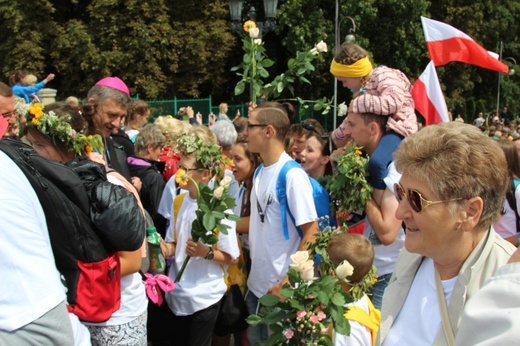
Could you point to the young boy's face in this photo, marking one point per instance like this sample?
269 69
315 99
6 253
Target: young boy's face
188 163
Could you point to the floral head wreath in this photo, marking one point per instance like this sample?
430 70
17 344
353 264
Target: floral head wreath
344 269
209 155
59 130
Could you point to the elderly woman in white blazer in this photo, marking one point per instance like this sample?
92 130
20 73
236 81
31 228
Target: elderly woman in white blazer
452 187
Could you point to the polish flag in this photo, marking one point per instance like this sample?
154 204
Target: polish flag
446 44
428 98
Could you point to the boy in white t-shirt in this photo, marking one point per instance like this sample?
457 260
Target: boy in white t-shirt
270 249
363 317
195 301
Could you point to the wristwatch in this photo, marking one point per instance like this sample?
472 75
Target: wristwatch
209 256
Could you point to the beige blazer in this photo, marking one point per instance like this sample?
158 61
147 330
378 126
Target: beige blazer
490 253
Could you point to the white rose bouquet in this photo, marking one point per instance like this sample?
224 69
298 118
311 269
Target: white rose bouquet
309 305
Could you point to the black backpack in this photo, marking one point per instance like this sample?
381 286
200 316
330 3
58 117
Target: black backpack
87 262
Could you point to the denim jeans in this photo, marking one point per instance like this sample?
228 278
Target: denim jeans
379 289
255 334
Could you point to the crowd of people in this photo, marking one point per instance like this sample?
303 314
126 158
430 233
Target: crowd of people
441 225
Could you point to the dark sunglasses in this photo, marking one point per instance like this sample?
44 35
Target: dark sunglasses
309 127
416 200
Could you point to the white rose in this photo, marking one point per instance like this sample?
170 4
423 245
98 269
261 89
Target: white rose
344 270
258 41
307 270
226 181
298 260
342 109
254 32
321 46
218 192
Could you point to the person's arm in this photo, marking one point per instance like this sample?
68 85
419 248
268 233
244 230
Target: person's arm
198 249
130 261
167 248
338 135
382 218
243 225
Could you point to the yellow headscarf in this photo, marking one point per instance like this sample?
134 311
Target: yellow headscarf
360 68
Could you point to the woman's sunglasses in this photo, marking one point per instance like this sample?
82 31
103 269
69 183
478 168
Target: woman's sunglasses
309 127
416 200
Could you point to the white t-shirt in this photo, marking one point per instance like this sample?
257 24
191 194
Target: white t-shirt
244 237
385 256
202 283
31 284
81 333
506 225
132 134
270 252
419 320
359 334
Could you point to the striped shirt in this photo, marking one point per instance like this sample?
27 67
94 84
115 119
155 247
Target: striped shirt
387 92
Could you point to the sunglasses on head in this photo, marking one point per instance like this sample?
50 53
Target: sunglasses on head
416 200
309 127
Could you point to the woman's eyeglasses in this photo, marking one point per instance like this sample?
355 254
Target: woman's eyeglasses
188 169
416 200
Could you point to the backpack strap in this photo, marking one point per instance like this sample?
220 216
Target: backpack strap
370 320
177 202
257 170
281 193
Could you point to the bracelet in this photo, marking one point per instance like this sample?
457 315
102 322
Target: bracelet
517 236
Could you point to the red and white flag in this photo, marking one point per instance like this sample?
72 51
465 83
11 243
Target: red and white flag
428 97
446 44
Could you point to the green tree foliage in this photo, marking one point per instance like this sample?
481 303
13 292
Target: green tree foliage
185 48
24 31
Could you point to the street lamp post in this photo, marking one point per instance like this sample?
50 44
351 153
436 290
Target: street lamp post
349 38
235 11
511 72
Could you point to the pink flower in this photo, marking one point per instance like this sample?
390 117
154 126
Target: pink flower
289 333
310 296
300 314
324 331
314 319
321 316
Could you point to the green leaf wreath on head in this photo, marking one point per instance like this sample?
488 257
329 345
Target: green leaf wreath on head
213 202
58 128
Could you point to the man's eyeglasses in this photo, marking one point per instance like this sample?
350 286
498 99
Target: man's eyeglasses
416 200
8 114
256 125
309 127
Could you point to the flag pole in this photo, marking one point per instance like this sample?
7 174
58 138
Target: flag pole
499 78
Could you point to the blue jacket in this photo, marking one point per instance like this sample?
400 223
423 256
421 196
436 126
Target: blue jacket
25 91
